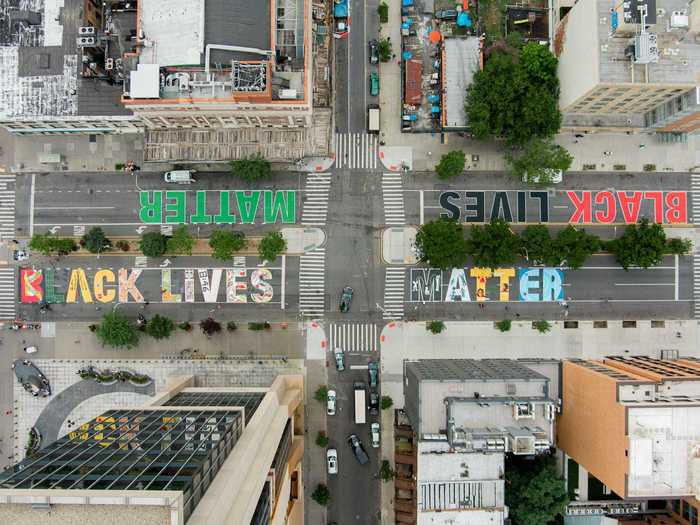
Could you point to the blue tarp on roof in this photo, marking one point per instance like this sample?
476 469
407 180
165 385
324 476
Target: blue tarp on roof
463 19
340 10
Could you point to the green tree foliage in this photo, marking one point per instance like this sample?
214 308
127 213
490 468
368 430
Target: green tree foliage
225 243
642 245
386 402
251 168
181 241
47 244
322 439
451 164
493 244
321 393
384 50
383 12
534 493
117 331
537 243
153 244
442 244
321 495
542 326
209 326
95 240
271 246
435 327
504 326
515 96
574 246
385 471
539 161
678 246
159 327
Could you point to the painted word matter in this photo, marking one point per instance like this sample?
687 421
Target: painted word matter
105 286
217 207
485 284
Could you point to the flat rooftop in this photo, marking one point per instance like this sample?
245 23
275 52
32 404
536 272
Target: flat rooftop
471 370
461 63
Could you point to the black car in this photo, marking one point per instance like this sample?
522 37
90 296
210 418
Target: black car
373 52
374 403
358 449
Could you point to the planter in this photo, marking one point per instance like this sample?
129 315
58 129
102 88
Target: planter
110 377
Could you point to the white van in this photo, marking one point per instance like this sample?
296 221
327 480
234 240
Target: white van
179 176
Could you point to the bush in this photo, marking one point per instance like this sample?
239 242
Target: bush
225 243
181 241
123 245
542 326
678 246
493 244
159 327
503 326
386 472
209 326
539 161
119 166
117 331
186 326
451 164
386 402
322 440
321 495
441 243
95 240
153 244
251 168
435 327
573 246
255 326
272 245
384 50
321 393
47 244
231 326
383 12
641 245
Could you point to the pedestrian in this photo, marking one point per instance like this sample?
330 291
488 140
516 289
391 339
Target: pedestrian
642 146
393 56
578 136
517 315
576 142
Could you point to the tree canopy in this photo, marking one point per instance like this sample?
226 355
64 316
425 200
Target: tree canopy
153 244
441 243
251 168
181 241
225 243
534 493
642 245
574 246
47 244
117 331
159 327
451 164
539 161
95 240
493 244
515 96
271 246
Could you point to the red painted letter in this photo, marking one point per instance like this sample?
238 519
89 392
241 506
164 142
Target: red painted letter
583 206
677 207
657 197
610 205
630 213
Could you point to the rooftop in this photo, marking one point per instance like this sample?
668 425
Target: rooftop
461 63
472 370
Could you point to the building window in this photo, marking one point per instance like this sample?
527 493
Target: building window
686 511
629 324
600 324
658 324
693 512
675 505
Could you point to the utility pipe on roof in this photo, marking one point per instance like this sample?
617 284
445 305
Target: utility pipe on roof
240 49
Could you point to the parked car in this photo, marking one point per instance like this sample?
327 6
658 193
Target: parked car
445 14
375 434
358 449
339 360
373 52
374 403
346 299
332 459
373 371
330 409
373 84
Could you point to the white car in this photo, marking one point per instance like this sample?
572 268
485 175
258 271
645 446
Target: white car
332 460
375 434
330 409
30 349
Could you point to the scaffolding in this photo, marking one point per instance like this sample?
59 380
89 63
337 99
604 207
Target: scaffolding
290 32
248 77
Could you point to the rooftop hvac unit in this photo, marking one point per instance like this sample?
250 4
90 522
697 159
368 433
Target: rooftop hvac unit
549 412
109 64
680 20
86 30
85 41
288 93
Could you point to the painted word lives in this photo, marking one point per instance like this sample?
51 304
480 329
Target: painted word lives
186 285
583 207
484 284
217 207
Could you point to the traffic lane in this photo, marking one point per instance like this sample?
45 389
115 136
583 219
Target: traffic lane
611 283
341 85
357 73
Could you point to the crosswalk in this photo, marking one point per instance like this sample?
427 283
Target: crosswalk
695 218
392 198
695 197
7 293
394 288
353 337
7 207
315 209
696 285
312 283
355 151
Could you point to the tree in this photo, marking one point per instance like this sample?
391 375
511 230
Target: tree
542 326
441 243
321 393
251 168
539 161
181 241
537 243
574 246
384 50
225 243
534 493
515 96
209 326
451 164
504 326
641 245
117 331
678 246
95 240
322 439
159 327
321 495
47 244
383 12
493 244
153 244
386 402
385 471
434 327
271 246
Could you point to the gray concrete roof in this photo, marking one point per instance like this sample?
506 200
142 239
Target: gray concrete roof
471 369
461 63
236 23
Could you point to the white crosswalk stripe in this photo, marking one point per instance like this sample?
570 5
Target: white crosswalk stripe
7 207
394 287
353 337
312 283
7 293
696 285
355 151
315 209
166 229
141 261
392 198
695 197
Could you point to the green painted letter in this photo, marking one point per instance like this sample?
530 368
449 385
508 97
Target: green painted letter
177 207
151 209
225 216
200 214
284 202
248 205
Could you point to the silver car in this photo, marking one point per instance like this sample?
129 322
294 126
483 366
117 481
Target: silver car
330 406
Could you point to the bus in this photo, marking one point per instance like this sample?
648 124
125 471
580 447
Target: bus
360 403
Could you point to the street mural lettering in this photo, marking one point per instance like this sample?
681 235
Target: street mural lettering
586 207
217 207
201 285
485 284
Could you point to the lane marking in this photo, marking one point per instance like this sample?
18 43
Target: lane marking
283 287
675 292
650 284
31 207
75 207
